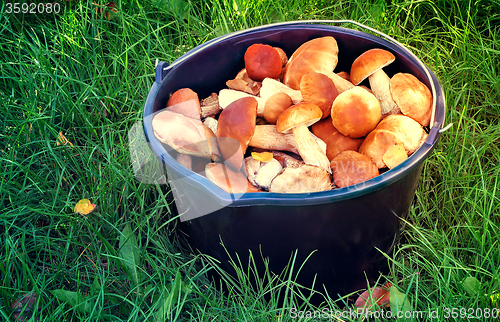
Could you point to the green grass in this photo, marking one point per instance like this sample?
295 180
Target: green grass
88 77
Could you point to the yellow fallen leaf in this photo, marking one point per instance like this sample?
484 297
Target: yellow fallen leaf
61 140
495 298
263 156
84 207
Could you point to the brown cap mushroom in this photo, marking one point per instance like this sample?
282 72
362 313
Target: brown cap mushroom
186 102
351 167
227 179
394 129
318 89
296 119
235 128
305 178
370 64
355 112
262 61
316 55
276 104
283 56
335 141
412 96
185 135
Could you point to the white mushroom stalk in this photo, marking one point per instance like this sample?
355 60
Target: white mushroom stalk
309 149
227 96
379 84
341 84
271 86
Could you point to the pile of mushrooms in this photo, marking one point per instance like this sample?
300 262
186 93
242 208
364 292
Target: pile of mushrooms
292 125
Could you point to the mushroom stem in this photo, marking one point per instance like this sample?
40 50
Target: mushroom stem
227 96
341 84
267 137
379 83
309 149
271 86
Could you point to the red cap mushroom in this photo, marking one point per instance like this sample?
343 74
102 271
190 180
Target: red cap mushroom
186 102
235 128
262 61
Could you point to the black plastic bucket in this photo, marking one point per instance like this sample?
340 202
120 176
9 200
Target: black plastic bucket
342 228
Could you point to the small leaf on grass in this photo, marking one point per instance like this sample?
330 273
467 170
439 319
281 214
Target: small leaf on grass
399 302
129 254
471 285
74 299
84 207
62 140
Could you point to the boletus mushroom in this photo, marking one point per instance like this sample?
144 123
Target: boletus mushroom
185 135
370 64
394 129
296 119
235 128
350 168
355 112
412 96
262 61
260 173
304 178
318 89
316 55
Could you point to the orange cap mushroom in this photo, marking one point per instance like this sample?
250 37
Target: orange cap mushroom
370 64
318 89
356 112
351 167
335 141
413 97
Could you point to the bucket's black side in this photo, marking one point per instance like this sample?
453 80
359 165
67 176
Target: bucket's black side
344 236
